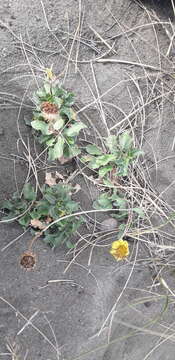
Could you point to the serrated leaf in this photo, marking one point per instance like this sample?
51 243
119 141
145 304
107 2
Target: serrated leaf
104 170
41 126
28 192
74 130
93 150
57 151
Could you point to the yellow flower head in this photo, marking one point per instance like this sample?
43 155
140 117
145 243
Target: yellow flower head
49 73
119 249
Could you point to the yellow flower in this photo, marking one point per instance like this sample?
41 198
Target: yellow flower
49 73
119 249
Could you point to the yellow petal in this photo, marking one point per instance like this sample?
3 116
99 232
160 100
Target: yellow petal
119 249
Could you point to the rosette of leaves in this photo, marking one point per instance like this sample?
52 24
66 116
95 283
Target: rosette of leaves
55 121
119 156
56 202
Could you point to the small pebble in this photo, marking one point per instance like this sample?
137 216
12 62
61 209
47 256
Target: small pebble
109 224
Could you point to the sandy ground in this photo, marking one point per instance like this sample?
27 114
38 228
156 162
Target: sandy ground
72 319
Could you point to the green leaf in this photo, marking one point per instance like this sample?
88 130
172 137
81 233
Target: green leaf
65 111
41 93
137 152
41 126
104 170
125 141
139 211
119 201
27 120
58 91
111 143
108 183
69 244
47 88
102 160
87 158
93 150
121 215
103 202
57 151
58 101
58 124
74 130
50 198
24 220
35 99
123 165
70 140
28 192
50 142
7 204
54 239
122 228
44 138
74 151
69 99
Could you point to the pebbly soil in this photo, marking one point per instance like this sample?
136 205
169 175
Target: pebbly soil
67 318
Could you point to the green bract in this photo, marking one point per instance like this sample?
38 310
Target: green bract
55 121
121 153
55 203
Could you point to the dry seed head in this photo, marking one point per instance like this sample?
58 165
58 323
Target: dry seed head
28 260
49 111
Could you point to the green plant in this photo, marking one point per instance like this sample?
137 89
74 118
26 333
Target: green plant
55 121
55 203
115 200
116 162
